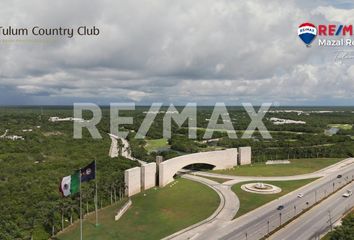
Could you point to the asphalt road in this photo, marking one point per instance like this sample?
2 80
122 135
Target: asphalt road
317 221
228 207
264 220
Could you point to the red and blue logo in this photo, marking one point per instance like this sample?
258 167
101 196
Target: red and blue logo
307 33
329 34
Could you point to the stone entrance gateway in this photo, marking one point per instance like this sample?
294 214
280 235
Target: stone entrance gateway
144 177
220 159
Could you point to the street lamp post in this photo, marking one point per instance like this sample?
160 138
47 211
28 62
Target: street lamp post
268 225
280 219
330 219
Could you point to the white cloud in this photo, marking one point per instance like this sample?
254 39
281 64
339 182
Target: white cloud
333 14
200 50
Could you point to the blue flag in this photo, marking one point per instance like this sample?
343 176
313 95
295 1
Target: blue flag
89 172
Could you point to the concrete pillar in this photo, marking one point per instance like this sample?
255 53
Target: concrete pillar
132 180
244 155
163 180
148 175
159 159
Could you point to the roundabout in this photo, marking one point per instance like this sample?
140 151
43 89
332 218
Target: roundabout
261 188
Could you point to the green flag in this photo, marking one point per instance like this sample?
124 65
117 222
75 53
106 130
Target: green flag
70 184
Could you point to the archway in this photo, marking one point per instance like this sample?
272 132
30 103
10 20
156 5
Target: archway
194 167
220 159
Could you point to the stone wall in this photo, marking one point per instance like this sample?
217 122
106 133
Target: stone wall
244 155
121 211
132 180
148 175
144 177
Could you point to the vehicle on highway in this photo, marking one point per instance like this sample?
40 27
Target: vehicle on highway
300 195
348 193
339 176
280 207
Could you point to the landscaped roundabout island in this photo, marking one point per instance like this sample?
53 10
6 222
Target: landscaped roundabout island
261 188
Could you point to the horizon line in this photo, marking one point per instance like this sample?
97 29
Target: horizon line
167 105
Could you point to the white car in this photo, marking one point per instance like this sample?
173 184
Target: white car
300 195
347 194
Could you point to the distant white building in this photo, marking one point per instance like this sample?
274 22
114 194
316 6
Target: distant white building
172 112
11 137
299 112
68 119
53 119
211 140
280 121
27 130
153 112
324 111
14 137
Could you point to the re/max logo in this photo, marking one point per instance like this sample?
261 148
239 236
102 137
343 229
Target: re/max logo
335 30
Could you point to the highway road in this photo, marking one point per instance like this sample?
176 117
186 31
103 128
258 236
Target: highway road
320 218
263 220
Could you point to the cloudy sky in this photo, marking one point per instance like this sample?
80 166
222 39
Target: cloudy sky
202 51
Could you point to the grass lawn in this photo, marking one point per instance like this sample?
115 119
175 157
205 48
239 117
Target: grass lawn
341 126
158 214
156 144
250 201
296 167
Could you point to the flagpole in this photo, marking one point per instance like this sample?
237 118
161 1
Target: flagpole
80 206
96 198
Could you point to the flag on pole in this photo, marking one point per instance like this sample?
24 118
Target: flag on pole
70 184
89 172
